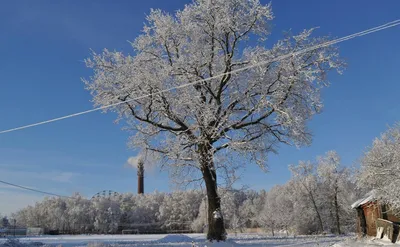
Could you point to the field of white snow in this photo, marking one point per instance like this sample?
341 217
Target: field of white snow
188 240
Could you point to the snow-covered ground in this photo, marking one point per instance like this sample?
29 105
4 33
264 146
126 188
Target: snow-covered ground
189 240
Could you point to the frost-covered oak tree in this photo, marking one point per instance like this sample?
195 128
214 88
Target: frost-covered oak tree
246 113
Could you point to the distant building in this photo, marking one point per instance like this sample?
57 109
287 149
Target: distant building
13 231
2 232
375 218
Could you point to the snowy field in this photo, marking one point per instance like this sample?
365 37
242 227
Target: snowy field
189 240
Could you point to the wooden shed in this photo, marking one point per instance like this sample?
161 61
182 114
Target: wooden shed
372 214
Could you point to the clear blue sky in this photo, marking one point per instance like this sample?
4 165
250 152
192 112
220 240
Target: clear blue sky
42 47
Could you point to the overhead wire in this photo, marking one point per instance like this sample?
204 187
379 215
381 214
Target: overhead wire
325 44
34 190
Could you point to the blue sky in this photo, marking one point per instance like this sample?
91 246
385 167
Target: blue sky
42 47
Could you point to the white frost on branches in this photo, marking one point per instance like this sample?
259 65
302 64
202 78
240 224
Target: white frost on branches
326 190
285 207
246 113
380 167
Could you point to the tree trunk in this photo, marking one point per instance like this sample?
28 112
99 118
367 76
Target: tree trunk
337 212
216 228
309 192
321 226
384 212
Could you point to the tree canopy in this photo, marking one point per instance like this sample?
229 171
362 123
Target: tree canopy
246 113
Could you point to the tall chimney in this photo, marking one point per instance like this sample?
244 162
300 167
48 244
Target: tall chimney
140 173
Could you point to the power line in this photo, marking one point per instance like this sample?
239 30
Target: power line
329 43
34 190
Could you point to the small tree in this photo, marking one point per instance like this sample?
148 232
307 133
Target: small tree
236 223
268 217
247 113
334 178
284 206
304 176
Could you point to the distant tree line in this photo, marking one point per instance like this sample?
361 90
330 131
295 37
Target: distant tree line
317 199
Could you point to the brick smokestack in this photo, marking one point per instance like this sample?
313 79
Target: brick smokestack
140 175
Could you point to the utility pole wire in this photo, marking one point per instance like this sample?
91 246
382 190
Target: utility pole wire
329 43
34 190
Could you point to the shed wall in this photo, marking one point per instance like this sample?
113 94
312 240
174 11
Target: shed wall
372 213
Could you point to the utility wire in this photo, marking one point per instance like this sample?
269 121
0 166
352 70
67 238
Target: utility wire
329 43
34 190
